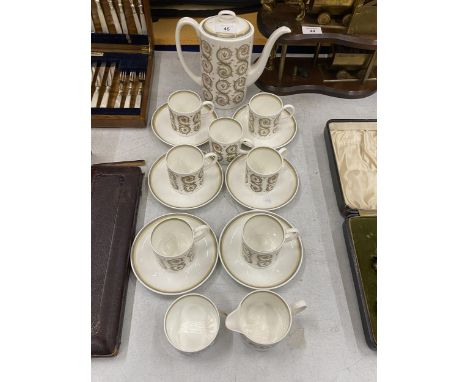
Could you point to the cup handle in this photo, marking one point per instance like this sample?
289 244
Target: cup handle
248 143
291 234
298 307
290 109
210 106
212 158
200 232
282 151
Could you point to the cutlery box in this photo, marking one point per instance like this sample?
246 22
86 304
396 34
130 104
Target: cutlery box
115 195
352 155
130 52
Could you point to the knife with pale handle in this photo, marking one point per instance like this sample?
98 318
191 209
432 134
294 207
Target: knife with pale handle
110 76
135 17
102 19
115 19
142 18
98 82
93 30
122 17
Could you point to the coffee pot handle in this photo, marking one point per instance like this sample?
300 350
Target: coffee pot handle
298 307
180 24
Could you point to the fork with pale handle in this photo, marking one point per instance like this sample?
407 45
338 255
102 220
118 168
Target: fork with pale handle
122 79
129 91
141 79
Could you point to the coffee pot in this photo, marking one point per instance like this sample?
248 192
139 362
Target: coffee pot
226 42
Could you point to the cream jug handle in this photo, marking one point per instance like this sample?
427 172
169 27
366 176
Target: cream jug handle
298 307
180 24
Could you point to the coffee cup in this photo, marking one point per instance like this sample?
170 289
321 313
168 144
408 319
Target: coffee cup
186 166
262 167
263 318
226 139
265 114
173 241
185 111
263 236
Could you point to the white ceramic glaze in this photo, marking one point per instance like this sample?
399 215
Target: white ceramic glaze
173 241
225 56
161 126
264 318
152 275
226 139
162 190
265 112
287 129
185 111
280 272
283 193
186 166
263 236
191 323
262 168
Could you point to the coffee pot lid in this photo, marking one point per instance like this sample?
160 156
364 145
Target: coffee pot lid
226 25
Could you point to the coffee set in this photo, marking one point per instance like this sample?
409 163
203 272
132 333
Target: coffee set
257 175
177 252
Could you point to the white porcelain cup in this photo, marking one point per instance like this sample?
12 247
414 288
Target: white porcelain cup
262 168
191 323
263 236
185 111
265 114
186 166
173 241
264 318
226 139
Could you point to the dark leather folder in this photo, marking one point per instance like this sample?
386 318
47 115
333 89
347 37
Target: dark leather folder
115 194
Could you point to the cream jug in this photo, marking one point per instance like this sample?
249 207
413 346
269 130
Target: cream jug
263 318
225 51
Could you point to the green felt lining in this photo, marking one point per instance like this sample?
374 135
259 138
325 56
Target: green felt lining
364 239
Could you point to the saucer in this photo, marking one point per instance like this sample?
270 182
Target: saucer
161 125
153 276
286 131
285 190
161 189
276 275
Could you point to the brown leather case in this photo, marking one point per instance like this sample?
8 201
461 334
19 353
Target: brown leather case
115 194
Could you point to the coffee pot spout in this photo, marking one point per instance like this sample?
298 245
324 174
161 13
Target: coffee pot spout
256 69
232 321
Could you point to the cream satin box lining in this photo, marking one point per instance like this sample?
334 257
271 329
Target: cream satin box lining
355 148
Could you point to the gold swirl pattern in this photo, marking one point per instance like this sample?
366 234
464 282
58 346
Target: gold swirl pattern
238 97
242 67
243 52
206 49
207 82
206 65
223 86
265 123
224 54
222 99
207 95
263 132
224 70
231 149
239 84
